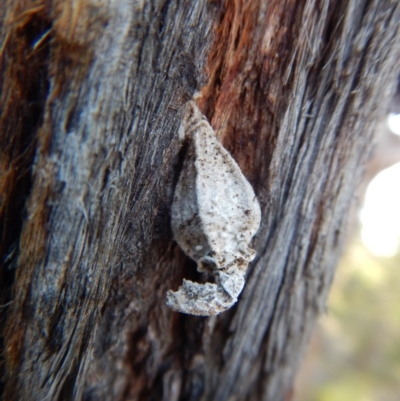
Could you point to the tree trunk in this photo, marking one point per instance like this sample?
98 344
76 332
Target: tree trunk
91 103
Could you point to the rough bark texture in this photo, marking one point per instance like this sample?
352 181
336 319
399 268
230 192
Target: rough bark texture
90 109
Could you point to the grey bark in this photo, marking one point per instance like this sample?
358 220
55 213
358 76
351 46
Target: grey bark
92 96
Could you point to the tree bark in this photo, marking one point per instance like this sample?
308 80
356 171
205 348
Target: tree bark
92 94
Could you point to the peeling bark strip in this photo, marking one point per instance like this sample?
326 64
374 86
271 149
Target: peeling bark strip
90 110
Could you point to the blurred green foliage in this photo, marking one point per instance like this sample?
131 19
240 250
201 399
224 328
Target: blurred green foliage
355 352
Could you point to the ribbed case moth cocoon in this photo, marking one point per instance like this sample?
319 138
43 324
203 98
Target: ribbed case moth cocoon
214 216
